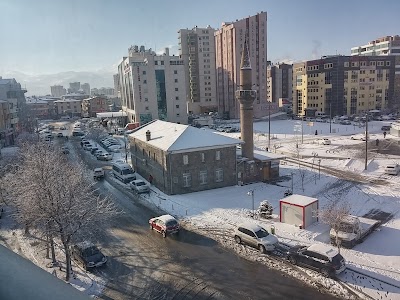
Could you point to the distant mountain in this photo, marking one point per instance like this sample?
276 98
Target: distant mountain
39 85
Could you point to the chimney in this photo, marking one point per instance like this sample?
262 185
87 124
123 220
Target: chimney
148 135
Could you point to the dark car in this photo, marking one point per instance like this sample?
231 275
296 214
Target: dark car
93 150
386 128
319 257
88 255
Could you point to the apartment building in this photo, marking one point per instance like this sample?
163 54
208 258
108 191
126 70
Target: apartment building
229 41
279 82
68 107
117 88
153 86
92 106
57 90
74 87
345 85
197 49
85 87
6 136
387 45
39 108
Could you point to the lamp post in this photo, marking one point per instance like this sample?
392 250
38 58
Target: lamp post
251 193
366 140
319 168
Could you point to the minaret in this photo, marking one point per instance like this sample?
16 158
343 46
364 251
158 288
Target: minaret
246 97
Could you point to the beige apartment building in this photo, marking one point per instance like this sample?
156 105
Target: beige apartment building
387 45
57 90
92 106
197 49
345 85
68 107
229 41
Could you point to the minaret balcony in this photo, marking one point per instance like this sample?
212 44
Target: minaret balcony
246 94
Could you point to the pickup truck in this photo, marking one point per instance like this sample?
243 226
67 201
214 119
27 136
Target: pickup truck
98 173
353 230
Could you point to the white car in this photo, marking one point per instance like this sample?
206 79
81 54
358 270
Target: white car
104 156
139 186
255 236
325 142
392 169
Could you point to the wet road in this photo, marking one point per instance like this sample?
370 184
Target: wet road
143 265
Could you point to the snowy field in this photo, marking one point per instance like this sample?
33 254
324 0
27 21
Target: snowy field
374 265
377 259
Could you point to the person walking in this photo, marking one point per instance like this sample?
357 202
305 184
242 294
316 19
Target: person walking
150 179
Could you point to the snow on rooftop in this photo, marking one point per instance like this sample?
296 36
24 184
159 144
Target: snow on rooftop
299 200
113 114
323 249
264 155
174 137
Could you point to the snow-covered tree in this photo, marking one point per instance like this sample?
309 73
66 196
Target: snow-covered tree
53 195
334 213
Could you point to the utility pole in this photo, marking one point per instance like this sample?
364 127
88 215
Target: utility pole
302 136
366 140
330 116
269 126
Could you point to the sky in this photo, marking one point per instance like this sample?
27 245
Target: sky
51 36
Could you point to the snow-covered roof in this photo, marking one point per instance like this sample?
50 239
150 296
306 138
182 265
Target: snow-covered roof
249 225
67 100
264 155
111 114
299 200
175 137
165 218
323 249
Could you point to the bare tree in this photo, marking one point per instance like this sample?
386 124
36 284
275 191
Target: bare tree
55 197
334 213
96 134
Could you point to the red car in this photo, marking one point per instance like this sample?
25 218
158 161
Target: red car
165 224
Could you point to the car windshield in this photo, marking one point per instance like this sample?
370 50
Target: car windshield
90 251
140 183
170 223
262 233
346 227
336 260
127 172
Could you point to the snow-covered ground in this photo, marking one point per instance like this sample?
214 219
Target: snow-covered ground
215 213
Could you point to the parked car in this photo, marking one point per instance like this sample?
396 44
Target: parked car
63 128
139 186
255 236
94 149
65 150
104 156
114 148
345 122
98 173
319 257
165 224
88 255
325 142
386 128
98 152
59 134
88 147
392 169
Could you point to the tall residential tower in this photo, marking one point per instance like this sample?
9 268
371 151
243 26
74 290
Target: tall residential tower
197 48
229 41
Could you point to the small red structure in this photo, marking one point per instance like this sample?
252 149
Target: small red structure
298 210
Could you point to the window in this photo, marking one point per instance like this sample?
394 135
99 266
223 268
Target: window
387 63
156 62
162 62
144 72
176 98
219 175
187 180
177 106
146 99
146 108
202 157
176 80
185 159
203 177
145 81
217 155
175 72
176 89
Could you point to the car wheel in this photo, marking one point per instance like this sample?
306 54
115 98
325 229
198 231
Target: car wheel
238 239
262 249
325 272
292 260
164 234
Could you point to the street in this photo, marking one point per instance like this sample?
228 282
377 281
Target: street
143 265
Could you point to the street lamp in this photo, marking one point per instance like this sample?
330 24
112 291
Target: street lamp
251 193
319 168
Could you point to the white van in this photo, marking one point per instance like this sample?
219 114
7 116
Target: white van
78 125
392 169
123 171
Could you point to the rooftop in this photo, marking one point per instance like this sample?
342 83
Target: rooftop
323 249
175 137
299 200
